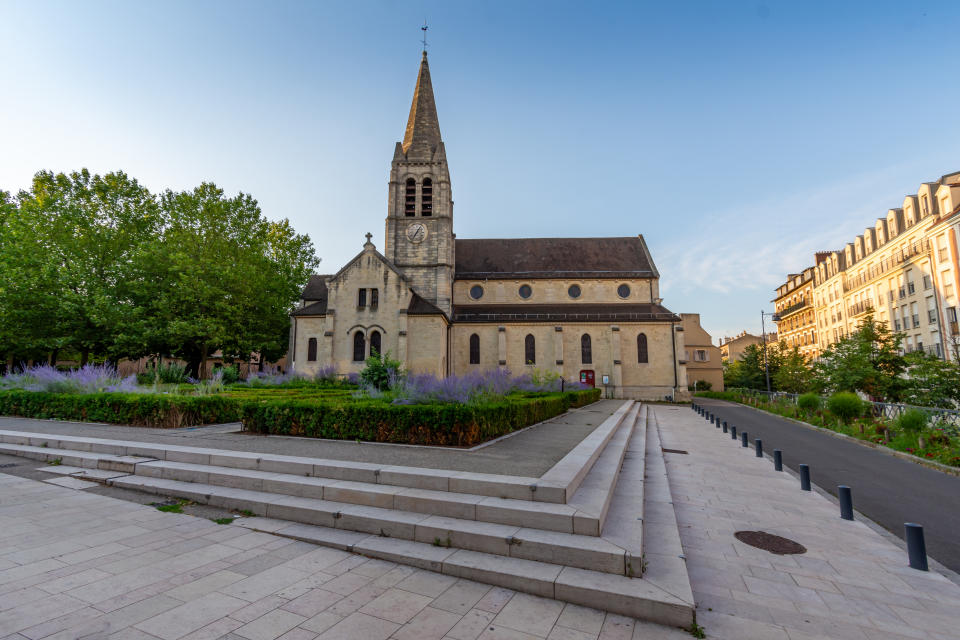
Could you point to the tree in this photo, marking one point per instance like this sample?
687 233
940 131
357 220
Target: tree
793 373
867 360
750 371
221 277
931 382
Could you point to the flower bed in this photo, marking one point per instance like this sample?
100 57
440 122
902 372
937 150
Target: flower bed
309 413
907 434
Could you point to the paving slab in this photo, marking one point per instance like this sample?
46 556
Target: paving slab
852 582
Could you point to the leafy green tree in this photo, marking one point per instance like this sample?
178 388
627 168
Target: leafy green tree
750 371
221 277
794 374
931 382
867 360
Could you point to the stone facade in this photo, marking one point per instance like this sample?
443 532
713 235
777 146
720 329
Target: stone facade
704 363
904 269
587 308
795 315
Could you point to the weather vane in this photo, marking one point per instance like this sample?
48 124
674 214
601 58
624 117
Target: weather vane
424 29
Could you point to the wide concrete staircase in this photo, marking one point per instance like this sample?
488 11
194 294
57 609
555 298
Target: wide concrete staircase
552 536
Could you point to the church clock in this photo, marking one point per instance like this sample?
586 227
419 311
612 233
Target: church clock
417 232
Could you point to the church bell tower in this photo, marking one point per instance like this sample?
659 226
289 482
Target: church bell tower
419 235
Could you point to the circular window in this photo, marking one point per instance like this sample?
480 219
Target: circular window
623 291
476 292
525 291
574 291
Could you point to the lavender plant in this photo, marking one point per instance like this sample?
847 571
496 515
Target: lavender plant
91 378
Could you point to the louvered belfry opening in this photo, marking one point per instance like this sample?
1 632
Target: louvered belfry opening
426 197
410 199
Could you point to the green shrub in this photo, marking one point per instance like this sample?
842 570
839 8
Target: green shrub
172 373
306 415
231 374
912 420
845 405
380 371
809 402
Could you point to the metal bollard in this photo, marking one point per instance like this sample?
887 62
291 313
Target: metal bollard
743 439
759 444
777 460
713 419
724 426
846 502
805 477
916 548
718 423
733 432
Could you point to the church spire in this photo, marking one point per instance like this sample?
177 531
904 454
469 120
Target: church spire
422 137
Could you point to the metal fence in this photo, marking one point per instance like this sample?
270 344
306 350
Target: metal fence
947 419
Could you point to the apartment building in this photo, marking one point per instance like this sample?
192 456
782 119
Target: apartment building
795 314
904 269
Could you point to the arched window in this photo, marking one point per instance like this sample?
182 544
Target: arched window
410 198
312 350
375 343
426 197
529 349
359 347
642 348
474 349
586 353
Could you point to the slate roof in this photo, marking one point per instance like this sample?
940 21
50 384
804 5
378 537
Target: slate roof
420 307
538 258
570 312
316 288
314 309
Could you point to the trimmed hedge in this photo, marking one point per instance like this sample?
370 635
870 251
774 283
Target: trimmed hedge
372 420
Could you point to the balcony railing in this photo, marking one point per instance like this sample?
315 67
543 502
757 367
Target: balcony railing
859 308
793 308
893 261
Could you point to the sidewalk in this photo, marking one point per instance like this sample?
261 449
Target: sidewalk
79 565
851 583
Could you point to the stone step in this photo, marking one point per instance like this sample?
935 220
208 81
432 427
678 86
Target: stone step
634 597
592 499
521 513
511 541
483 484
570 471
68 457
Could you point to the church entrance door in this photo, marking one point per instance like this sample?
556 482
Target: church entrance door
587 377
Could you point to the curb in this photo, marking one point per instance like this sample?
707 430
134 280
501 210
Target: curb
936 466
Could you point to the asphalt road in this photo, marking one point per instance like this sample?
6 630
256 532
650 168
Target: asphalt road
888 490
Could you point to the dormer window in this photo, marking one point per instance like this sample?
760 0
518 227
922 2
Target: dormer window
410 199
426 197
925 204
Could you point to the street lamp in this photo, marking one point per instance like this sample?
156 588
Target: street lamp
763 328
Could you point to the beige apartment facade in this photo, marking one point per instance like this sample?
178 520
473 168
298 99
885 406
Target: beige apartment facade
731 349
588 309
704 363
796 315
903 269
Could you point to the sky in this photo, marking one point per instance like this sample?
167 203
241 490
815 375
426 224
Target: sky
737 137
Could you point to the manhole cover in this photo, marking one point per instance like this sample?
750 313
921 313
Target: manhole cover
673 451
769 542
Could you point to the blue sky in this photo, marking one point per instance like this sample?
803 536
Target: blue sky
738 138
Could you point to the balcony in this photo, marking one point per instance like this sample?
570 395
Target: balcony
859 309
793 308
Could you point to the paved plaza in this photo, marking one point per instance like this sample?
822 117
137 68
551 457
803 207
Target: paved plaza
75 564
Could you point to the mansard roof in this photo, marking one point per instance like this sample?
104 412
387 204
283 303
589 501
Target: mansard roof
422 136
542 258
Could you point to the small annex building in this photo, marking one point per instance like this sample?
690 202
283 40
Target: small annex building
587 308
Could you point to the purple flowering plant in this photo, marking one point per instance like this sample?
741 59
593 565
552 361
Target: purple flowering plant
90 378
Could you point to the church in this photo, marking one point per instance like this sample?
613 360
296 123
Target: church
586 308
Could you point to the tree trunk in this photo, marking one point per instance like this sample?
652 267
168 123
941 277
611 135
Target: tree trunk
53 357
84 356
203 362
